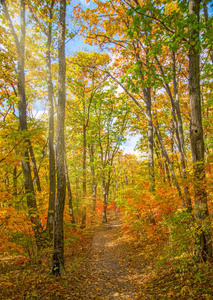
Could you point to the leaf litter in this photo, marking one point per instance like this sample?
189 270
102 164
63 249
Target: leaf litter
104 264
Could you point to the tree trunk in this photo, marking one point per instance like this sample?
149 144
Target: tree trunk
180 136
69 193
94 196
147 96
159 159
83 221
94 184
35 169
165 154
52 173
116 183
58 252
106 185
105 201
203 241
148 103
84 153
175 110
15 193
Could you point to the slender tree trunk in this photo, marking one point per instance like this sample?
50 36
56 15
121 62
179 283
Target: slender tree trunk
180 136
105 186
175 109
83 222
35 169
84 217
105 200
52 173
69 193
7 181
148 103
179 123
94 195
58 252
94 184
174 178
147 96
15 181
84 153
160 164
116 183
203 241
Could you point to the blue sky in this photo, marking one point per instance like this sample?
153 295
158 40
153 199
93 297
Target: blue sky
77 43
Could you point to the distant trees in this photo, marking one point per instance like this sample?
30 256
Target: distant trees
151 55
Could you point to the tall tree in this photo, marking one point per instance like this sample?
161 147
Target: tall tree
22 106
58 252
52 173
203 248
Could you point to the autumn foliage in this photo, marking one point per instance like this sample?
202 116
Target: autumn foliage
148 77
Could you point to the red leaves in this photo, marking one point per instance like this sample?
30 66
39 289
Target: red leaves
22 260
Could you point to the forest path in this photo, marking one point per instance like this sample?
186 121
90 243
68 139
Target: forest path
105 274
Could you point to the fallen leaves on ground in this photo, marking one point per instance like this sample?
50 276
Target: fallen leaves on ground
103 263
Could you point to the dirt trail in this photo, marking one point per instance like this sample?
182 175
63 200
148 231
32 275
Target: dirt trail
105 274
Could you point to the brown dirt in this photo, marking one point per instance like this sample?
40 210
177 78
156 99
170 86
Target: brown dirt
105 274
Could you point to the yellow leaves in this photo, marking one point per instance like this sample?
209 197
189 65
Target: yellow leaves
171 6
108 26
186 290
207 296
4 280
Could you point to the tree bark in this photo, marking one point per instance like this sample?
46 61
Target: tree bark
165 154
83 221
52 173
35 169
94 184
180 136
148 103
105 200
84 152
147 97
203 241
69 192
15 193
58 252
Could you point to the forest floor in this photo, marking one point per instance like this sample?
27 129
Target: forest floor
105 272
104 264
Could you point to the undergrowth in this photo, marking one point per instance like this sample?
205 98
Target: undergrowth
167 262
